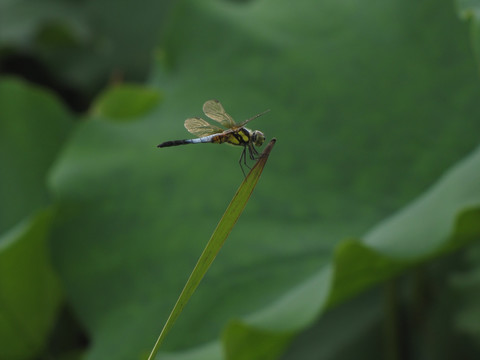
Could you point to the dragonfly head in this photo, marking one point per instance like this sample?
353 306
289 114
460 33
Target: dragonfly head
258 138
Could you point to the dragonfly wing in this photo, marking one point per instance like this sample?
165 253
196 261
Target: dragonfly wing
253 118
200 127
215 111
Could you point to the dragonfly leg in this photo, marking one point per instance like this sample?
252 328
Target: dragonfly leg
251 151
244 155
244 158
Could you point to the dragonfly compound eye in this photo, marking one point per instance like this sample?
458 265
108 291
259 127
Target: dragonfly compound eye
258 138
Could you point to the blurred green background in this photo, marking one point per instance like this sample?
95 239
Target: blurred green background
359 240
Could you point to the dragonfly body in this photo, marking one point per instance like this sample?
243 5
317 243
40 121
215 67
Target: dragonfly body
239 137
234 134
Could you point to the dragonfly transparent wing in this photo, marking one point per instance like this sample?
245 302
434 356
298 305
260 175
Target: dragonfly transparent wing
200 127
215 111
253 118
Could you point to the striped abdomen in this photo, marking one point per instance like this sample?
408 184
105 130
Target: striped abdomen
239 137
205 139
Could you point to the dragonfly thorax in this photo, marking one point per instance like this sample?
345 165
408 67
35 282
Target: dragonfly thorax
257 138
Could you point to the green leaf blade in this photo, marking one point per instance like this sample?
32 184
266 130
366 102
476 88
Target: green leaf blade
224 227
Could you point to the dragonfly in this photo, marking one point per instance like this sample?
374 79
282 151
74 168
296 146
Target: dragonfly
230 132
